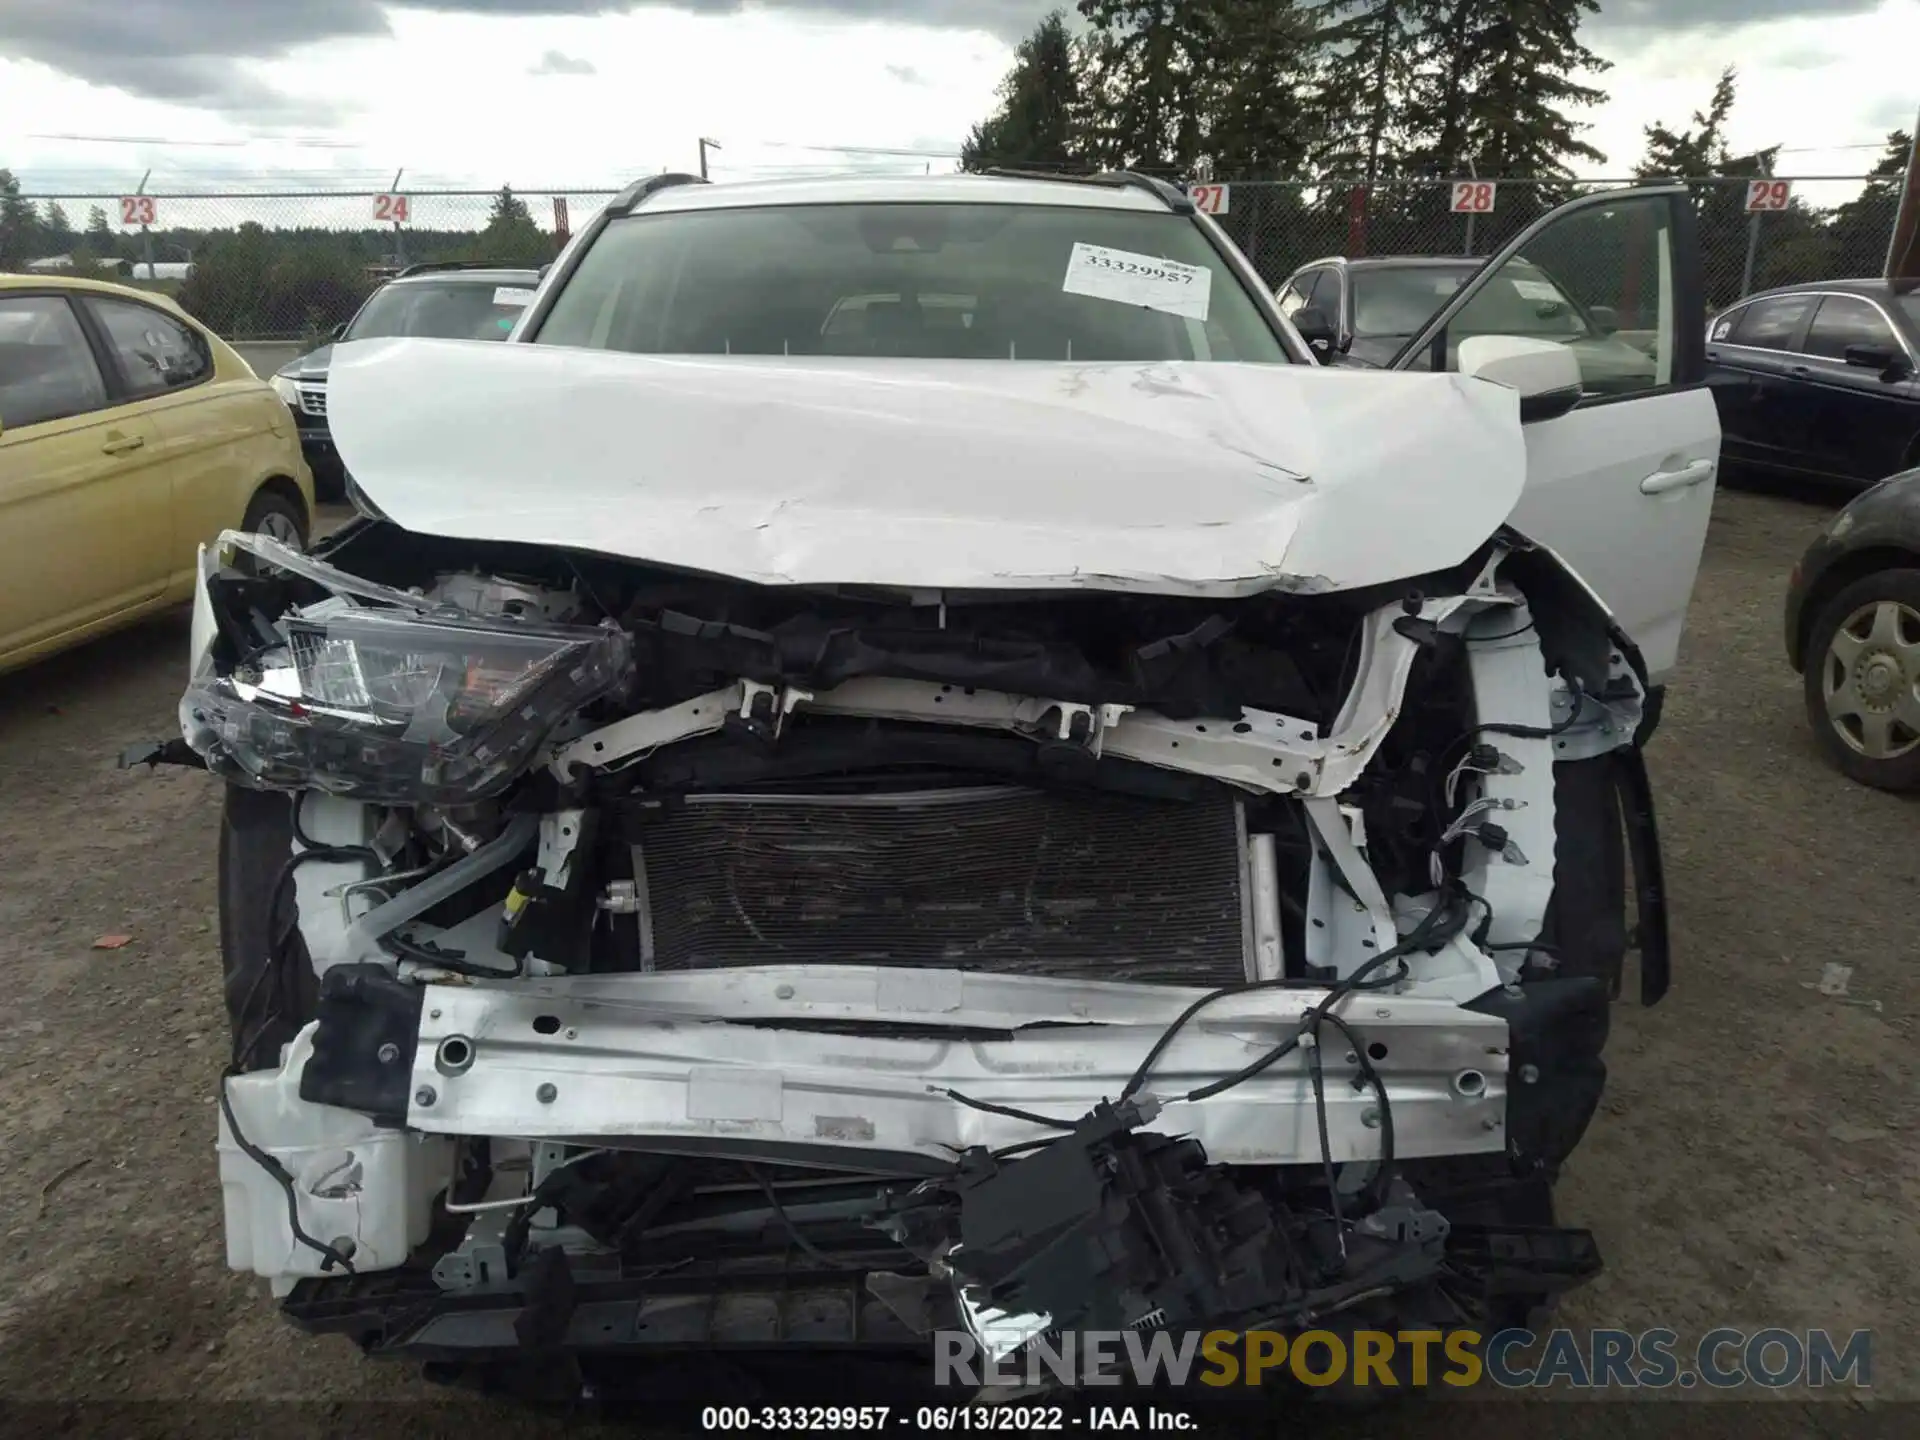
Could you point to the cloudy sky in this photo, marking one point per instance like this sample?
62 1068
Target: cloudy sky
551 93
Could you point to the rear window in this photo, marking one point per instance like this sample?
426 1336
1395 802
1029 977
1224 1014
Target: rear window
989 282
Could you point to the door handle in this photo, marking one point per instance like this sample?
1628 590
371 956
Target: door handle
1661 481
125 445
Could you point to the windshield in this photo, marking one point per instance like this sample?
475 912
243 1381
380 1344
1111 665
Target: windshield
1399 302
441 310
938 282
1911 304
1521 300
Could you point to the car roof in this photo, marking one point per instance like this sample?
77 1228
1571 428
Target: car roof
1871 285
55 280
488 275
905 189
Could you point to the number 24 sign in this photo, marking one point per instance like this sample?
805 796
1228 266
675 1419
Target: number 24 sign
137 210
1473 197
391 209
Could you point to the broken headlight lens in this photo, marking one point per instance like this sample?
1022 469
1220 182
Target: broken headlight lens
400 709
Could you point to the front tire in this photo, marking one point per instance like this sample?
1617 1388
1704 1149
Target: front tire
1862 679
275 516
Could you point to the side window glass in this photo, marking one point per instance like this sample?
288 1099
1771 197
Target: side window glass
1599 281
1294 294
1722 328
1325 290
154 351
47 370
1843 320
1772 324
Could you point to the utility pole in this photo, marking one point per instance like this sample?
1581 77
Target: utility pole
706 145
1903 254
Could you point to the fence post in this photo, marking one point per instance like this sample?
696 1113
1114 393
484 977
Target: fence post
1474 171
1753 251
146 234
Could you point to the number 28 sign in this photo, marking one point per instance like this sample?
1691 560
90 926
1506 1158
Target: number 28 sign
1768 195
136 210
1473 197
391 209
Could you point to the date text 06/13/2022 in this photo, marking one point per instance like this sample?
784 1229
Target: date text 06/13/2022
942 1419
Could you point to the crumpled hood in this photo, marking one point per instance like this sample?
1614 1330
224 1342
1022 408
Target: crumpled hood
1175 478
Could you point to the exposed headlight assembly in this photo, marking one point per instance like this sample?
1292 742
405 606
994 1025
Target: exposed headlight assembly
395 706
288 392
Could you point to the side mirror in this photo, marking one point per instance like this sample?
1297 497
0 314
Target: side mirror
338 332
1315 328
544 269
1884 358
1546 374
1605 317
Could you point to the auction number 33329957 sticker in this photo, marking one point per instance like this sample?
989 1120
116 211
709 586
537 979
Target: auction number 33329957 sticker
1129 279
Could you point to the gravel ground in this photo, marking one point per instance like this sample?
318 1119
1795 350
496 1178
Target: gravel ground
1755 1163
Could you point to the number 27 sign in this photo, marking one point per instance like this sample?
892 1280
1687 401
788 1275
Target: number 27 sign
1473 197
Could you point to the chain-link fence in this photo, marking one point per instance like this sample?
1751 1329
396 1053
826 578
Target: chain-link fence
290 266
1283 224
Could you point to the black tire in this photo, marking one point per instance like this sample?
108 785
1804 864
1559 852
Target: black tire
270 506
1841 737
270 988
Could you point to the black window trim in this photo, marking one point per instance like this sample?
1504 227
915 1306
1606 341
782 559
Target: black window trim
108 358
1689 341
108 374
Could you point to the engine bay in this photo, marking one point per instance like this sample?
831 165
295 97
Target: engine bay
647 935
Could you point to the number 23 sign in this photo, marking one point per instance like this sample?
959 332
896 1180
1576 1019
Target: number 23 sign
136 210
1473 197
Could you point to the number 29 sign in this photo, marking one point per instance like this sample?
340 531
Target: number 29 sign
1764 195
1473 197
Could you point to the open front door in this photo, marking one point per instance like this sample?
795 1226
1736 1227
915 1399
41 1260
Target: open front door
1621 485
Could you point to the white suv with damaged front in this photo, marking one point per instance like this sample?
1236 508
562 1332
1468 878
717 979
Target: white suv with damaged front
901 760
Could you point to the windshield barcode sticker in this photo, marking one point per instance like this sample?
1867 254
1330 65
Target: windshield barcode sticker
1129 279
512 295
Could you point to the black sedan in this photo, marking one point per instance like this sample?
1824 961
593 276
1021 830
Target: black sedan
1819 380
1853 631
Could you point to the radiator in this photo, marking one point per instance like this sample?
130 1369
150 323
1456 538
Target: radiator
1008 880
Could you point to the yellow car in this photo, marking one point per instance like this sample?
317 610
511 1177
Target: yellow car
129 435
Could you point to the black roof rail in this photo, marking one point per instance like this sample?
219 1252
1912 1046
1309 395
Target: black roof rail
624 202
1171 195
426 267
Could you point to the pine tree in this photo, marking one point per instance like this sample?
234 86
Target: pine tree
1365 80
510 236
1145 59
1039 104
1862 228
60 236
1701 149
1524 57
20 231
1255 89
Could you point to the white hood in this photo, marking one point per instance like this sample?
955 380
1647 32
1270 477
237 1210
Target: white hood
1177 478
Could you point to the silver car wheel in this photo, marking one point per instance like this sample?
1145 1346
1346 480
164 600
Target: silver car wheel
1870 677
